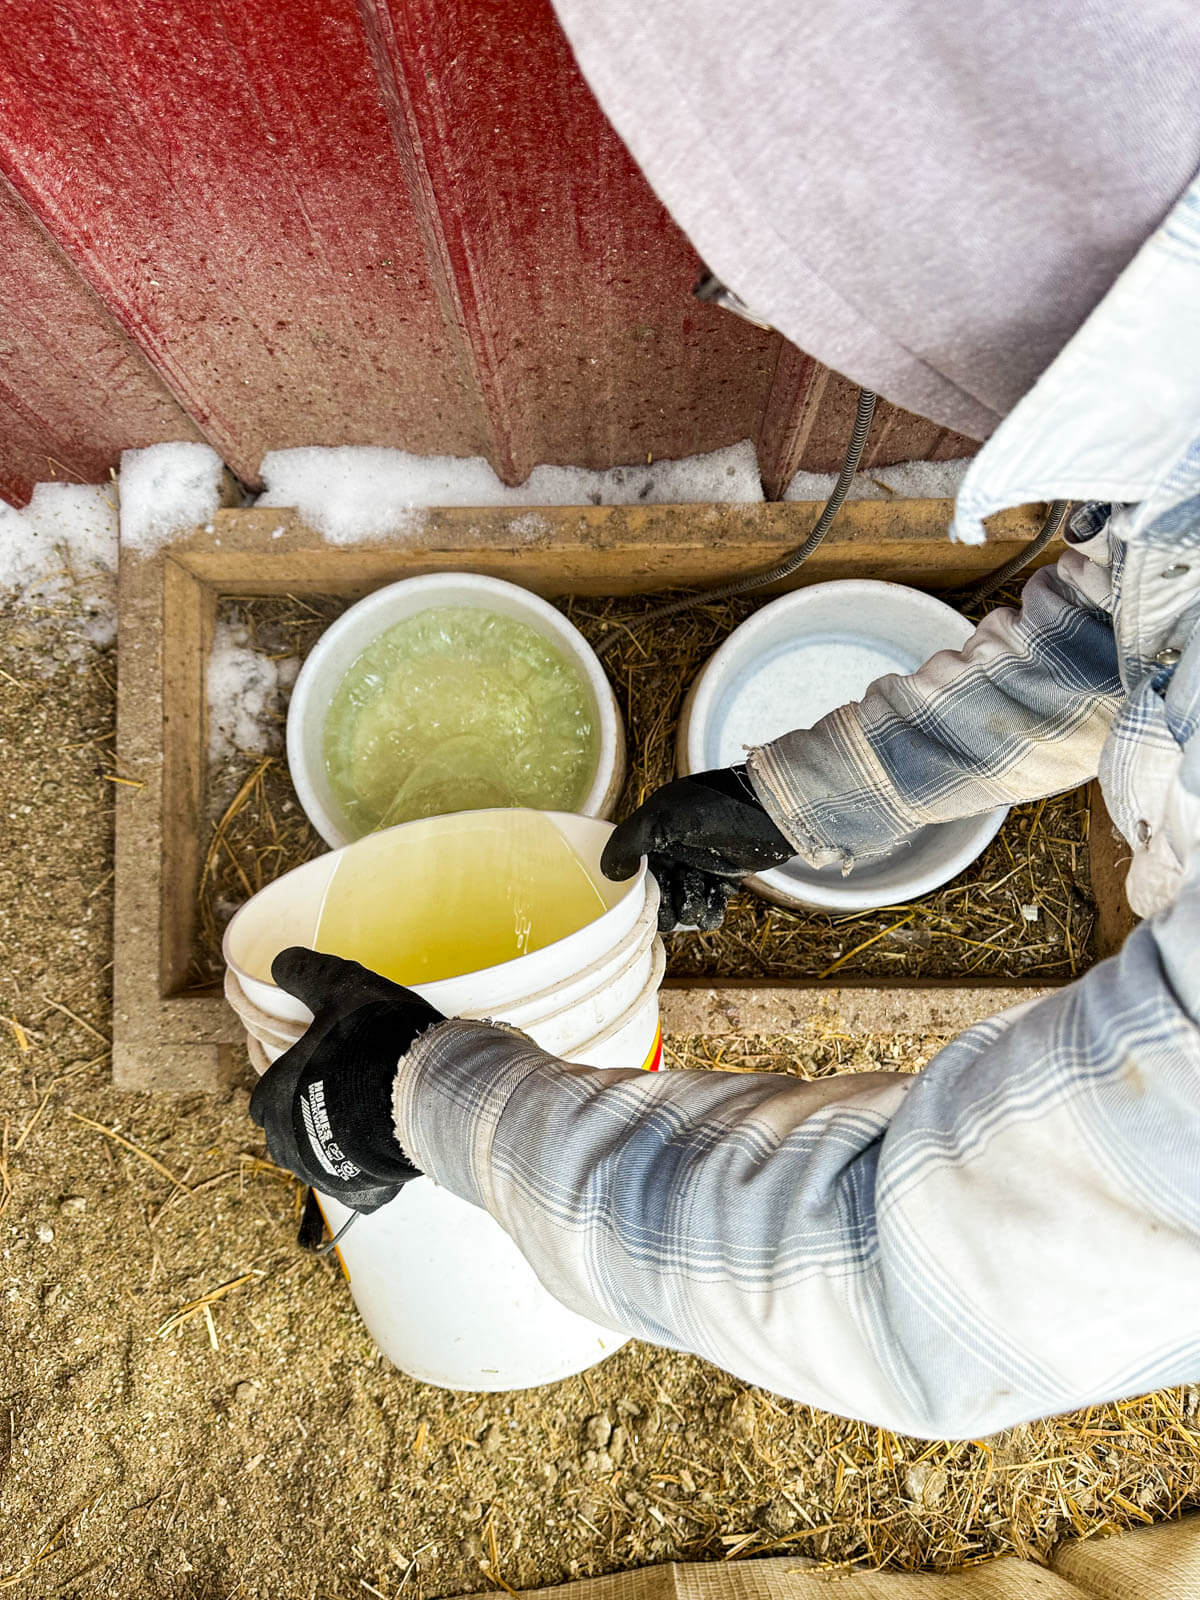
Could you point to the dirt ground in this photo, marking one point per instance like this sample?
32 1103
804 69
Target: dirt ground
189 1407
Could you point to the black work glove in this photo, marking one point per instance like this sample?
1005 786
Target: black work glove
326 1104
701 834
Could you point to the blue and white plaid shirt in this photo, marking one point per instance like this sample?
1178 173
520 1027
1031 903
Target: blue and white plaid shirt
1016 1230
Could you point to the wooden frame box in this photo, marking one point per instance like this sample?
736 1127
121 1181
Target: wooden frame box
169 1038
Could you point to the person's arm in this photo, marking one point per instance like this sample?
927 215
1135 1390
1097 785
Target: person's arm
1019 712
1014 1232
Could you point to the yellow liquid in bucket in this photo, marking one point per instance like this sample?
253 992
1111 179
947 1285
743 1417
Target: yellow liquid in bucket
474 890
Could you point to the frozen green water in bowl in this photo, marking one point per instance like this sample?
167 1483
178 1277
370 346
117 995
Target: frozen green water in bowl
458 709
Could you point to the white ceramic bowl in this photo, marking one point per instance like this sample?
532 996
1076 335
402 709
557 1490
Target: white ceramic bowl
786 667
344 641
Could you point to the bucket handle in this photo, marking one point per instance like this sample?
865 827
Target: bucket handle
311 1232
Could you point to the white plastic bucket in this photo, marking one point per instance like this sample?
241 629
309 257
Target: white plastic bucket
344 641
845 634
443 1290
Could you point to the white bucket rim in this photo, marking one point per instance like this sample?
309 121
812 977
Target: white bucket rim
618 912
357 620
843 894
581 985
636 957
559 1031
648 995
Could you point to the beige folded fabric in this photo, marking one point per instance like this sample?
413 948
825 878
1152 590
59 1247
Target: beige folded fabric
1159 1563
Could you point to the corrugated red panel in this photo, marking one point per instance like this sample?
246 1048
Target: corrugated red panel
402 223
224 178
74 391
569 282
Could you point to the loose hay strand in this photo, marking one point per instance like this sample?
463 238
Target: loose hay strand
865 945
81 1022
203 1305
51 1547
119 1138
31 1124
19 1034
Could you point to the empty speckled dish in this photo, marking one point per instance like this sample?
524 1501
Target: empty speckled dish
786 667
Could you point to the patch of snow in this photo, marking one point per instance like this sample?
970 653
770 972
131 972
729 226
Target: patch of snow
355 492
245 695
166 488
531 526
66 527
59 556
910 480
725 475
350 493
924 480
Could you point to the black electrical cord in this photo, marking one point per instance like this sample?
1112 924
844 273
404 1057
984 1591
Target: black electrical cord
797 558
1053 525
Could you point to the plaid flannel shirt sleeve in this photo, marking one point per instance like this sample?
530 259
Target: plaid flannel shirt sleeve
1021 711
1013 1232
1016 1230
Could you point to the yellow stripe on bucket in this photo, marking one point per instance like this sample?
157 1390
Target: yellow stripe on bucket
654 1060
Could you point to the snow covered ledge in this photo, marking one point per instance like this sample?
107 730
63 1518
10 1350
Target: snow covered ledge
61 550
167 489
354 492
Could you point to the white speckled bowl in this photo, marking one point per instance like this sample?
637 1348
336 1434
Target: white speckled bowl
786 667
344 641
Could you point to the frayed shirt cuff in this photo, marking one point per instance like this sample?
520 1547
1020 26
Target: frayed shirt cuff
451 1088
829 794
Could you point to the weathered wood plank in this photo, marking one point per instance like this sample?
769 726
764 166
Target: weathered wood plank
169 1039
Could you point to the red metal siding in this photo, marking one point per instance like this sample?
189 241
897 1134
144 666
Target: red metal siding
405 223
224 178
568 280
73 390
